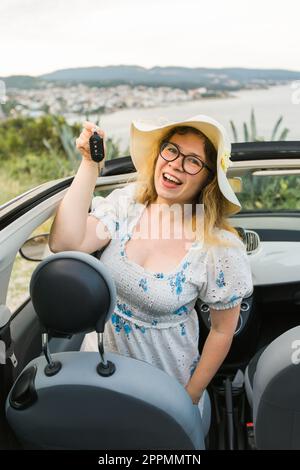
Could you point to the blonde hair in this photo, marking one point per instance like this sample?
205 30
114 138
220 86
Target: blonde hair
215 204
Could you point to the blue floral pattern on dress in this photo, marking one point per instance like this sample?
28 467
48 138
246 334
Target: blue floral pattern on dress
234 297
141 328
143 284
127 328
185 264
220 281
119 323
159 275
193 366
154 322
123 241
182 329
116 320
181 310
124 309
178 279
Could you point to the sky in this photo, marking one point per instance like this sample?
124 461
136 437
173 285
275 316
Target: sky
40 36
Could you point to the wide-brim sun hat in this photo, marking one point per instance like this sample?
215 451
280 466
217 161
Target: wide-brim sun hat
144 135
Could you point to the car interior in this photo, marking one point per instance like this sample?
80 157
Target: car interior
252 399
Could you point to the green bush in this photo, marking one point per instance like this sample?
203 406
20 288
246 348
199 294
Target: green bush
17 175
40 168
35 150
22 135
272 192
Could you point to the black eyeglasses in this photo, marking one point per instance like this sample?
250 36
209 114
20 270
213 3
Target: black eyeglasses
190 163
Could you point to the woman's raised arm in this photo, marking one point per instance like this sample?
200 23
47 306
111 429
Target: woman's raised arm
73 228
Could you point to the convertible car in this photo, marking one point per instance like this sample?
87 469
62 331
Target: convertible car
53 396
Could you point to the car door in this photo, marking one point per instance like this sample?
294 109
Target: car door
20 332
28 215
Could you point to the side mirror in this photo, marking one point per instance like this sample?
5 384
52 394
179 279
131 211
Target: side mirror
36 248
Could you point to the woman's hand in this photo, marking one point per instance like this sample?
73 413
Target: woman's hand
82 143
194 394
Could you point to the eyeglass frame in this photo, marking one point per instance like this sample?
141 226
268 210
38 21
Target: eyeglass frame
204 165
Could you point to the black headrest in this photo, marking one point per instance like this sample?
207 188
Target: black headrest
72 292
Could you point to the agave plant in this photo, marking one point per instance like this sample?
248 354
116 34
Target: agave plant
250 131
112 147
67 138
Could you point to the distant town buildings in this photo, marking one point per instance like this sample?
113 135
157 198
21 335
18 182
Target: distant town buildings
82 100
76 101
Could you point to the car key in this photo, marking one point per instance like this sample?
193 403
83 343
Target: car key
96 146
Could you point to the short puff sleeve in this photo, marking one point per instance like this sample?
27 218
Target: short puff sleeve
113 209
229 277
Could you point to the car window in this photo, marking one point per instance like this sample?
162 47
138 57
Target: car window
18 288
274 192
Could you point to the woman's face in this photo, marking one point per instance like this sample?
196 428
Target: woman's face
190 185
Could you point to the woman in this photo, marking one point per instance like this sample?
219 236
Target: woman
159 278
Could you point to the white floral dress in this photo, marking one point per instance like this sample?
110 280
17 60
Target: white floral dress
154 319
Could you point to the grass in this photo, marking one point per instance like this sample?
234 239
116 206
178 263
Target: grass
17 175
11 187
18 289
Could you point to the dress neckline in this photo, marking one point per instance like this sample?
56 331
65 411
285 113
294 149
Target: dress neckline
183 264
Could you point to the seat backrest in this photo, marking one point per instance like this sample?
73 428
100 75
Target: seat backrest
276 394
79 409
88 400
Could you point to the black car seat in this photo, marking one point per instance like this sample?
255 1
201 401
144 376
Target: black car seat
272 382
90 400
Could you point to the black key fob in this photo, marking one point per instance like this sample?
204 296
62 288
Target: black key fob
96 147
